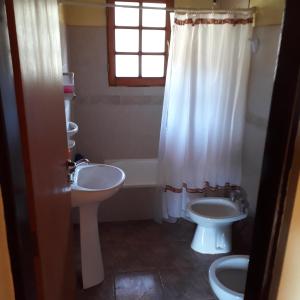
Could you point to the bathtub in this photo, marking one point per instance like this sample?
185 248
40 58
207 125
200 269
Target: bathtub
138 197
140 173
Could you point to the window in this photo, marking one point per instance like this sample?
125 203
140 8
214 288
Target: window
138 42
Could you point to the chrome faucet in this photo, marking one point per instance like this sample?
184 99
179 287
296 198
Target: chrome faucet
72 165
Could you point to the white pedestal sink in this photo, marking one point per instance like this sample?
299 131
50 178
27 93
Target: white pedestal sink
93 183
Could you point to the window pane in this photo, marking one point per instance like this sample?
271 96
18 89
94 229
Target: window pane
153 65
126 16
127 40
153 40
154 17
127 66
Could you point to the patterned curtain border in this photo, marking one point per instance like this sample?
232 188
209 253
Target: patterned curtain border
207 188
208 21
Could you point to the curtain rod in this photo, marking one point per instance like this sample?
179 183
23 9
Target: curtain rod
196 10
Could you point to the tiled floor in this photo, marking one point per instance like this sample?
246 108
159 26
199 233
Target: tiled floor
149 261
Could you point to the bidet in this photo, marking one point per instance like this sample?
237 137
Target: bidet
214 218
228 275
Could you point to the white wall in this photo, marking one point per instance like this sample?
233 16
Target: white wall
259 99
114 122
124 122
64 47
65 63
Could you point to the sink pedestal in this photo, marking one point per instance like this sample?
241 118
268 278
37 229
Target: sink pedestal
91 257
92 184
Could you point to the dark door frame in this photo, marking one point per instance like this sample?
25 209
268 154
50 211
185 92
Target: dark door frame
272 200
278 156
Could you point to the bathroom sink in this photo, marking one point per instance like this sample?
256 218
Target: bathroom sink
95 183
92 183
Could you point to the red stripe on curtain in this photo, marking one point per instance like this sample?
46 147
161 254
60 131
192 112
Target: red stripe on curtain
214 21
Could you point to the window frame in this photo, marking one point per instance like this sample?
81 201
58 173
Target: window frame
135 81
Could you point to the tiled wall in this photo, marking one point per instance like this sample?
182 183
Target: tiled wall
65 64
114 122
123 122
259 99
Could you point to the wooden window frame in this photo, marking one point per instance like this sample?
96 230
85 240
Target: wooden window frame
135 81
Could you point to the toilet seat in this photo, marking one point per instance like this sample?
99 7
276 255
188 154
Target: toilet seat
227 276
216 210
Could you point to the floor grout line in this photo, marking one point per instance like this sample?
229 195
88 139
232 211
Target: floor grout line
173 262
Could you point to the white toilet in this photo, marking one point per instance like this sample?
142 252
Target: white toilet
214 217
228 275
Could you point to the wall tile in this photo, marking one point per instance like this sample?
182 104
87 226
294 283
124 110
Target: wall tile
123 122
263 66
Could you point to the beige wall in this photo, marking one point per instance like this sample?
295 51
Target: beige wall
269 12
6 283
260 87
289 287
74 15
96 16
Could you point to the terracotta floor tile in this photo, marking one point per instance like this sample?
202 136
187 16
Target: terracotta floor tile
103 291
138 286
146 260
186 284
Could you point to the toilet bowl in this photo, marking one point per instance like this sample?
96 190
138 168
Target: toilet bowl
214 217
228 275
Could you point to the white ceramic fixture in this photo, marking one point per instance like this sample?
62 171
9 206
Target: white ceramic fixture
214 217
228 275
72 129
140 173
71 144
93 183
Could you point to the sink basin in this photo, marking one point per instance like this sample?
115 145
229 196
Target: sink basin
95 183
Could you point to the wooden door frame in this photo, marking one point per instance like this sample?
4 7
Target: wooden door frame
13 177
36 193
273 203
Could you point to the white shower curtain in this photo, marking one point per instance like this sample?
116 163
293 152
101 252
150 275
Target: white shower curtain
204 107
